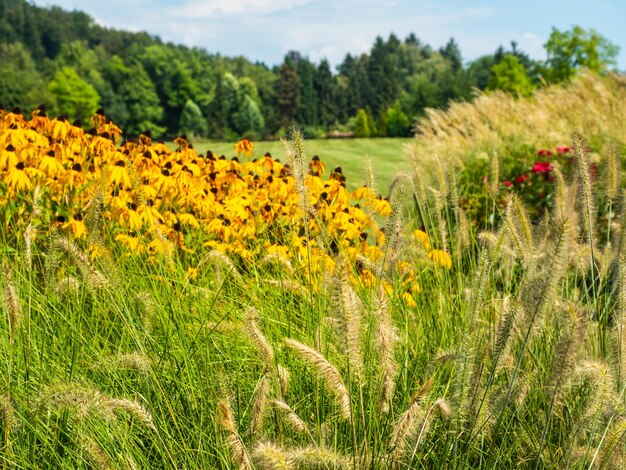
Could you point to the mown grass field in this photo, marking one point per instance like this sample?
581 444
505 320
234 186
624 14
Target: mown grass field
388 155
164 310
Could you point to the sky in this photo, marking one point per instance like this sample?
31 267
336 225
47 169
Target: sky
264 30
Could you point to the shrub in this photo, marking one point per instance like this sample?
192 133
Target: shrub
361 124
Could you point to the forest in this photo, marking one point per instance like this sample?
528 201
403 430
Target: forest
74 66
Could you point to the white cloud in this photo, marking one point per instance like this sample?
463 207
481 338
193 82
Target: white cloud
198 9
264 30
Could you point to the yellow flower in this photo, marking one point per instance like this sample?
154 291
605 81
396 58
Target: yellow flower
17 179
50 165
382 207
59 128
78 228
415 288
387 287
188 219
158 246
95 251
409 300
316 166
192 273
422 237
244 146
361 193
132 243
8 157
118 174
440 257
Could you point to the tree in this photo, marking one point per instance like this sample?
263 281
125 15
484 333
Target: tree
378 127
420 93
382 70
452 54
361 128
307 111
140 108
355 85
221 103
324 84
192 122
509 75
569 51
480 70
287 94
73 96
171 70
21 84
397 122
248 119
248 87
371 124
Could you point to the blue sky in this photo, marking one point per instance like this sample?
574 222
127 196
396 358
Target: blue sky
265 30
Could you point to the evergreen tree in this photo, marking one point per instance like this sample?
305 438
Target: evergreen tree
371 124
421 93
287 94
378 127
217 113
324 84
361 127
354 85
452 54
383 74
307 110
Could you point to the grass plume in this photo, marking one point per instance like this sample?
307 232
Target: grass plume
327 372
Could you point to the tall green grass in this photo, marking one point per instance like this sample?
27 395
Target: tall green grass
513 357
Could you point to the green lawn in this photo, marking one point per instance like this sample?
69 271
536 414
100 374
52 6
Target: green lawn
387 154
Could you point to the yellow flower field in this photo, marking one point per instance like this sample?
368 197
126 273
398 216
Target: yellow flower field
156 201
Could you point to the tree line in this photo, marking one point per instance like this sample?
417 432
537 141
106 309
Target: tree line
72 65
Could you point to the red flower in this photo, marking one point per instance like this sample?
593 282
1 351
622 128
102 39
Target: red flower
541 167
563 150
508 184
544 153
521 179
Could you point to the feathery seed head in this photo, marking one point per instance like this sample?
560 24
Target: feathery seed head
8 416
291 417
260 341
11 301
327 372
237 449
271 457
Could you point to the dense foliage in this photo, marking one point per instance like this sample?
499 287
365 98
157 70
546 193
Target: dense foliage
65 60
